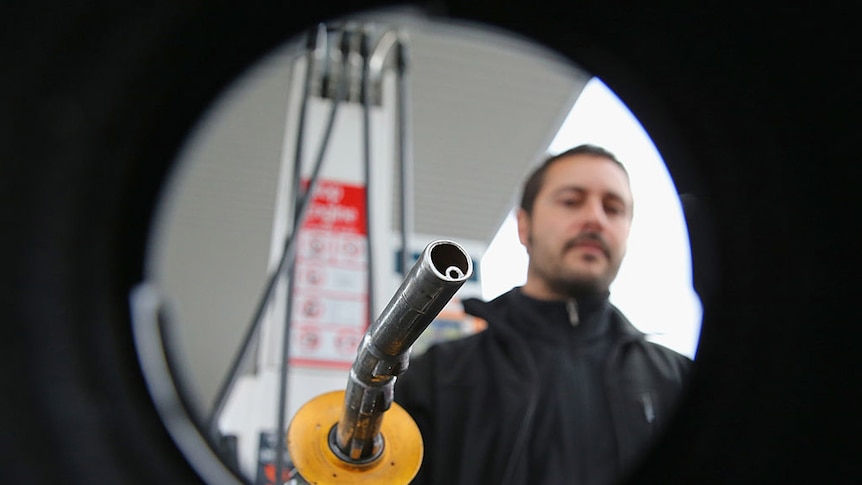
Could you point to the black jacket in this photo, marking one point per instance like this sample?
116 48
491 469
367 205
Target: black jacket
550 392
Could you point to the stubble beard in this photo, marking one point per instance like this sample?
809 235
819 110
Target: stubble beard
575 284
572 282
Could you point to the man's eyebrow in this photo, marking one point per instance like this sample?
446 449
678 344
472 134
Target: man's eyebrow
568 188
616 196
579 189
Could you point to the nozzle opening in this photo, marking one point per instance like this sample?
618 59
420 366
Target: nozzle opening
451 261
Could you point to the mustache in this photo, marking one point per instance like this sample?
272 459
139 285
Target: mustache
591 237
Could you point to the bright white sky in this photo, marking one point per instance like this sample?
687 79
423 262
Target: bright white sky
653 288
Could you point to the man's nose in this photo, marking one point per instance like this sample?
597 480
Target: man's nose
594 215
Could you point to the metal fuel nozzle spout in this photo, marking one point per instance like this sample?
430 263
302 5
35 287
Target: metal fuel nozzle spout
442 268
340 436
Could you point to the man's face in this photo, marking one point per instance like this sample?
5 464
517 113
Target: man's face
576 236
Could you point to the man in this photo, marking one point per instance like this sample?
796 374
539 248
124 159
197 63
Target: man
560 387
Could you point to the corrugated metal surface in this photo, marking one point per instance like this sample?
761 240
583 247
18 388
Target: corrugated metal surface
485 108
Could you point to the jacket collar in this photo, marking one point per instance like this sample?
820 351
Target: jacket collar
528 317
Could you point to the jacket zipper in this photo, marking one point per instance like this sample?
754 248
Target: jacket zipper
572 310
649 409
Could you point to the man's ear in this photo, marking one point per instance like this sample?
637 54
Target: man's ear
523 227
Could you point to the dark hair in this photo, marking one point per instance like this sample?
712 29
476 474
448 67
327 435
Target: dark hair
534 182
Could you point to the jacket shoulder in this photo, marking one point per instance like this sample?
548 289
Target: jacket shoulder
669 362
449 352
443 363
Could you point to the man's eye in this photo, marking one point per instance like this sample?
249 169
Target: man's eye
614 210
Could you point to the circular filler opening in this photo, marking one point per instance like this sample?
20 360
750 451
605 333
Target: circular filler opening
450 260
